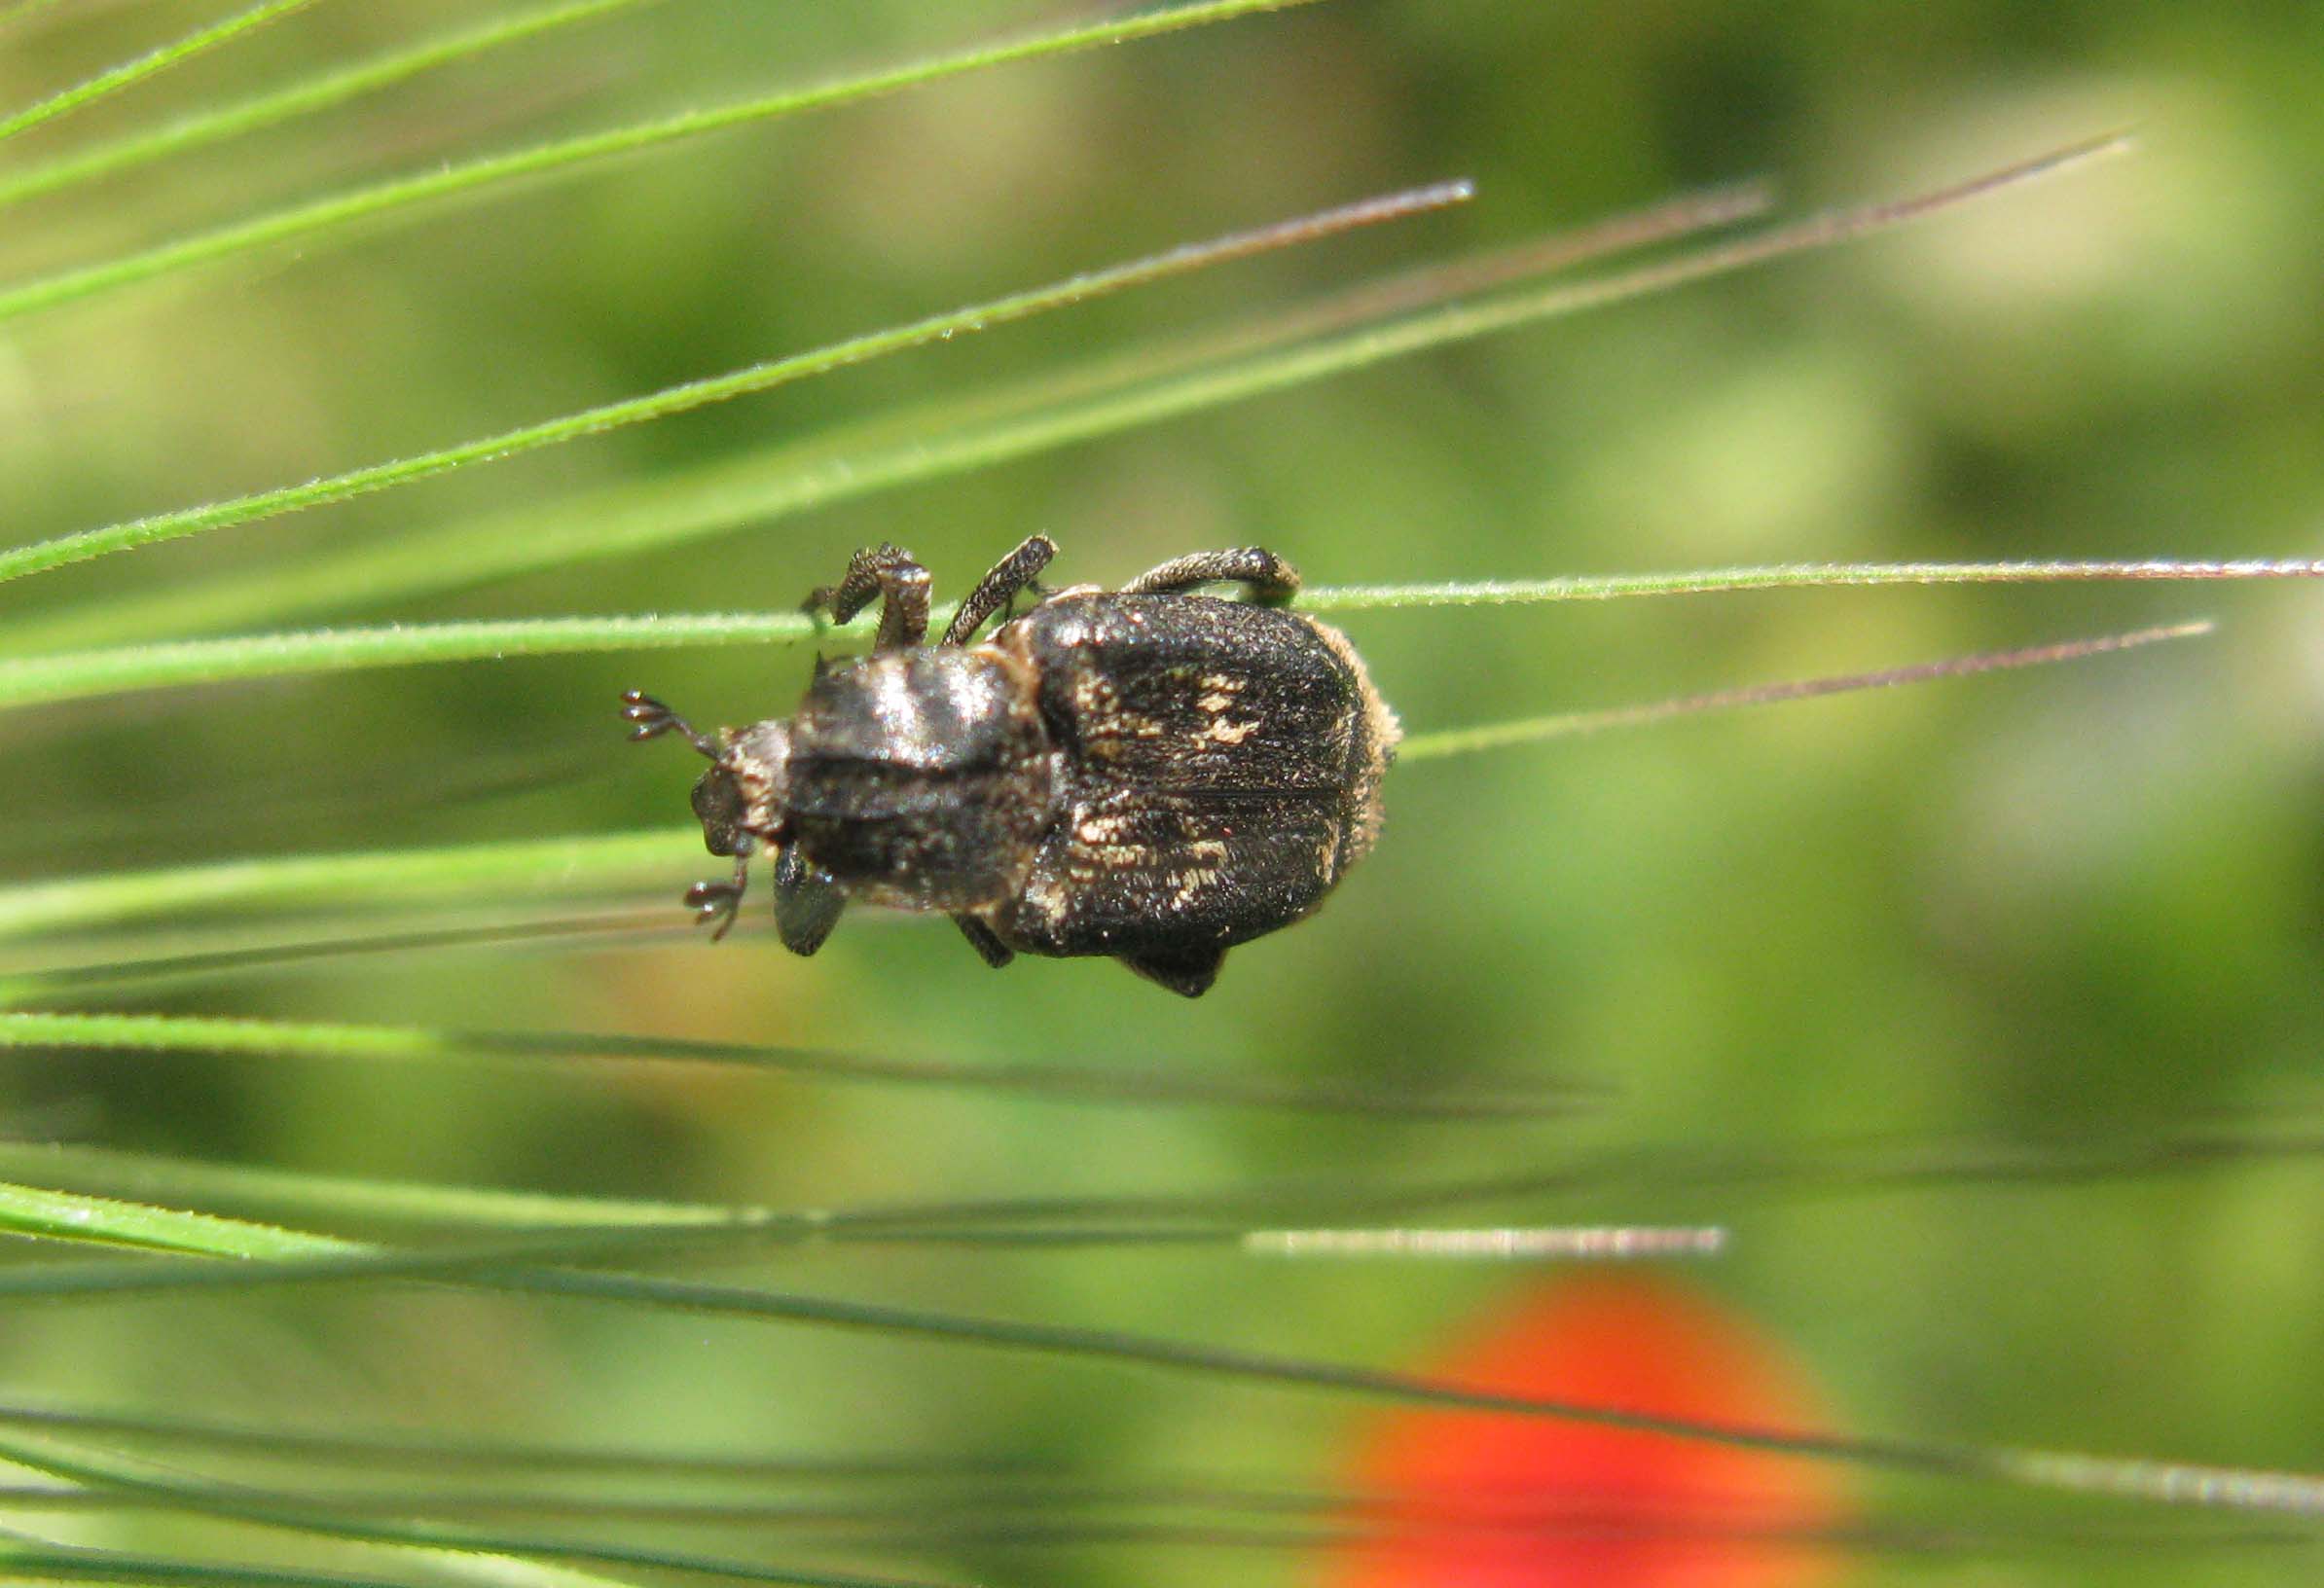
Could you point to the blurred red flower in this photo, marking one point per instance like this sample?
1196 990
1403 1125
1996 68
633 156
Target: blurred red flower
1479 1500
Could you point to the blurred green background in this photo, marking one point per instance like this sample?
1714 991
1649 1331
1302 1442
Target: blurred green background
2043 915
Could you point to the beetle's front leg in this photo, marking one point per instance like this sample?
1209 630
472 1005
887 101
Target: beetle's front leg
886 573
650 718
996 589
719 901
1270 579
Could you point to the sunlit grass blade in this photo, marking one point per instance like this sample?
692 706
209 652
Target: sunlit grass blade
108 1221
129 1180
1364 326
174 53
1120 1085
542 867
336 87
64 550
1534 730
1798 576
371 204
40 680
1594 1243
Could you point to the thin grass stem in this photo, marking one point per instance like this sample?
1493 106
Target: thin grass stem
176 53
546 867
1344 333
64 550
1122 1083
41 680
305 98
1801 576
340 212
1536 730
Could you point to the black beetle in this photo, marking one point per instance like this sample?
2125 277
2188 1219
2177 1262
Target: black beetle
1145 773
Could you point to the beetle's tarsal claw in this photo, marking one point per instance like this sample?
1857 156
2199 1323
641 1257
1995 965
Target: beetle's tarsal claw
716 902
653 719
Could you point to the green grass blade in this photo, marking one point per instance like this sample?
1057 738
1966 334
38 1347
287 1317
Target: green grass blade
1116 1085
64 1215
1801 576
64 550
174 53
542 867
40 680
129 1177
1534 730
78 675
371 204
30 1561
317 93
957 435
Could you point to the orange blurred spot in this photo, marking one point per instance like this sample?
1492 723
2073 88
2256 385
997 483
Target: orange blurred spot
1476 1500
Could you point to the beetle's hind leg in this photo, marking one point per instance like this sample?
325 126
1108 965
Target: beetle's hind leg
888 574
995 589
1270 579
985 941
808 901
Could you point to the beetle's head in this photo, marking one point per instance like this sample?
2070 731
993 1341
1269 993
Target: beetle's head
740 799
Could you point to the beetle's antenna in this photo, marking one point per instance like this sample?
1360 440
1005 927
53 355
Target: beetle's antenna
653 719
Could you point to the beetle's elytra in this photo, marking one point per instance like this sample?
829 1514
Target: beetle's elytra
1144 774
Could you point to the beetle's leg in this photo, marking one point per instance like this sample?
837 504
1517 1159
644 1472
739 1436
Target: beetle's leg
1187 972
653 719
886 573
719 901
985 941
1270 580
995 589
808 901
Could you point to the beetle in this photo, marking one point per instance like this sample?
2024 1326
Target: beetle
1146 773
